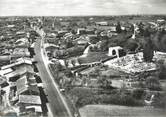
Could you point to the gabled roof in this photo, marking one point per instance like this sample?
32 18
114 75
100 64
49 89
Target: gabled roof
25 83
22 85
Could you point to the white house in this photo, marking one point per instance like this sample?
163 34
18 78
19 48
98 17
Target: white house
114 51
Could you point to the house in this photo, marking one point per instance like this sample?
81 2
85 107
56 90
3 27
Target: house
116 51
112 29
77 82
29 103
20 32
37 109
5 58
29 100
20 52
84 31
5 71
160 21
51 34
81 40
19 71
18 62
93 38
68 36
81 31
103 23
61 33
117 83
72 63
27 86
22 42
50 46
65 23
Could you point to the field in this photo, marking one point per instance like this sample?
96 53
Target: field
120 111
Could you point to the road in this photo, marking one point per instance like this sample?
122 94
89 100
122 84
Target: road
57 105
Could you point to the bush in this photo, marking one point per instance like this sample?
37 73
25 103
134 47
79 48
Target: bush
120 99
162 69
159 101
84 96
138 94
153 83
86 100
87 96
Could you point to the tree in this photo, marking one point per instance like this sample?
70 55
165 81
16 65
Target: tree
104 83
131 45
132 28
68 42
83 96
162 69
141 30
118 28
148 51
153 83
104 45
138 93
159 100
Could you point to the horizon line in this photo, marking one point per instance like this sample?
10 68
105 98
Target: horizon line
81 15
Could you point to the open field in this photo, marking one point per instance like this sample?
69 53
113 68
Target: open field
120 111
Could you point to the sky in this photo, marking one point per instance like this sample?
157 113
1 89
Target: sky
80 7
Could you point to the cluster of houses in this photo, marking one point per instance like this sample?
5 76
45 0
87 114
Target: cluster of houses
20 84
85 41
121 69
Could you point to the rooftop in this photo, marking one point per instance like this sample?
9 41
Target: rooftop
18 62
5 71
20 71
24 83
19 52
36 108
30 99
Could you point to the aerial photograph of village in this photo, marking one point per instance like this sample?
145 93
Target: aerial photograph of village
91 58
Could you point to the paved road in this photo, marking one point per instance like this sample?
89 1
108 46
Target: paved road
56 103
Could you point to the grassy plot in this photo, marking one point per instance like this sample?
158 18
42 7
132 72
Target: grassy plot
120 111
